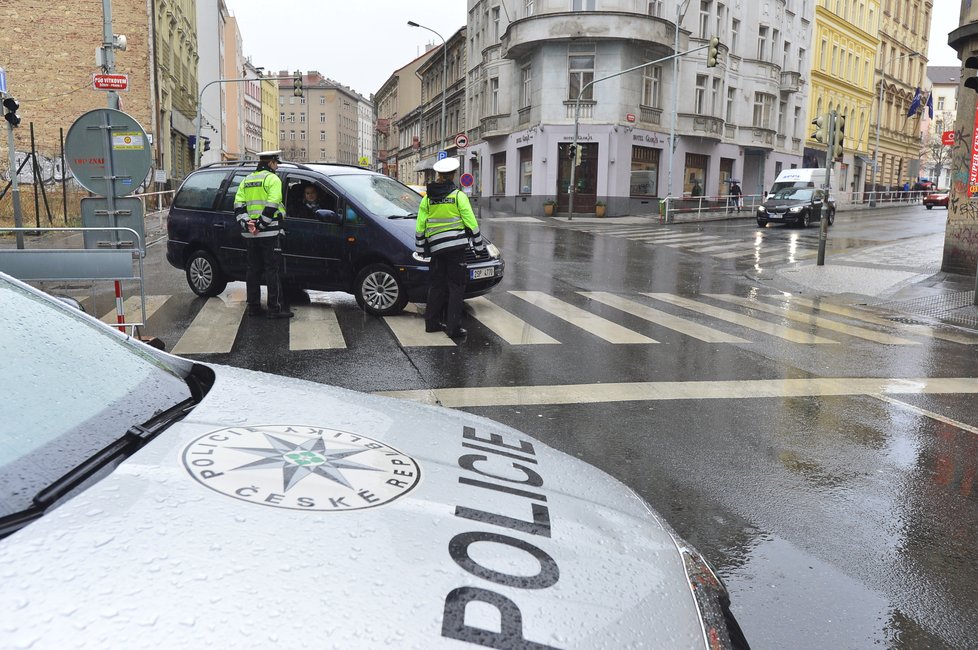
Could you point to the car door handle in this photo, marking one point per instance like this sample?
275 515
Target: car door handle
219 225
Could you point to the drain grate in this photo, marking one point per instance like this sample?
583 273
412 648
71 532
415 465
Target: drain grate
939 305
906 321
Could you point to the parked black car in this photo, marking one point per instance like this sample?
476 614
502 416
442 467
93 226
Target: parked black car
359 240
797 205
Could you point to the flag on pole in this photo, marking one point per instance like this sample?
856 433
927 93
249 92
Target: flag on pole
915 104
930 105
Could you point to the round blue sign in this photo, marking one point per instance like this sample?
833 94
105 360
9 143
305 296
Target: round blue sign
466 180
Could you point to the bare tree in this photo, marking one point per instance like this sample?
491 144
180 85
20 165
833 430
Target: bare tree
935 155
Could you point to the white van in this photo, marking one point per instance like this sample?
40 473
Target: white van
804 177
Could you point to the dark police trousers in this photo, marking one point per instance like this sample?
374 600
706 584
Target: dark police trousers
264 257
447 289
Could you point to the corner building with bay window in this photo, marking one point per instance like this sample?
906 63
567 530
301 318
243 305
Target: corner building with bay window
745 119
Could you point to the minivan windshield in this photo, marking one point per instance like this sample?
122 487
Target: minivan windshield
381 195
70 387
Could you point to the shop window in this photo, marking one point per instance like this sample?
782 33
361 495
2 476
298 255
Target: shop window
526 170
645 172
499 173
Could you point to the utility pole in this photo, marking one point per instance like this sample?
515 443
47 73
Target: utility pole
108 49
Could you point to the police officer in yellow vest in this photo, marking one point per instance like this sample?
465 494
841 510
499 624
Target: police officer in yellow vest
446 228
259 210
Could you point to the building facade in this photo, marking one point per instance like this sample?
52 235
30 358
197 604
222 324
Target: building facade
842 73
269 115
936 156
397 127
442 115
252 118
212 18
232 94
901 69
321 126
365 133
742 120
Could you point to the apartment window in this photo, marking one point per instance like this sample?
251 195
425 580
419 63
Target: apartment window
291 135
762 110
281 135
291 117
782 116
650 85
495 24
494 95
716 98
302 118
797 122
302 100
835 60
526 170
700 94
302 135
322 100
322 136
731 95
706 8
499 173
940 104
734 36
322 154
655 8
721 15
526 85
322 118
527 7
801 59
281 117
940 126
580 68
821 55
786 57
583 5
645 172
762 33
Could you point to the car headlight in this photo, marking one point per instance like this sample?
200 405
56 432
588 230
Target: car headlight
493 251
797 209
760 208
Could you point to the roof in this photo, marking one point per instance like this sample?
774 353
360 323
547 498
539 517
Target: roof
944 74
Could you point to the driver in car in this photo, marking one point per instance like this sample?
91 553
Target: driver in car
310 202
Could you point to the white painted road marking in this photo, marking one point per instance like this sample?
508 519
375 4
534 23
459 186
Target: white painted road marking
681 325
213 330
600 327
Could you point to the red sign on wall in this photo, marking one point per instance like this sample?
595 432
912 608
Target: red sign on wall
973 180
630 117
947 138
110 81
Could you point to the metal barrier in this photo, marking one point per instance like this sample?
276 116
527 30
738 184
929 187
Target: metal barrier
75 264
693 208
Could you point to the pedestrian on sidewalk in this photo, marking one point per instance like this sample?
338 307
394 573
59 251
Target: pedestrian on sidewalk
736 193
446 227
259 210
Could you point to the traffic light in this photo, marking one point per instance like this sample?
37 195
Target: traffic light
297 84
972 81
207 143
713 54
822 128
11 105
838 141
572 152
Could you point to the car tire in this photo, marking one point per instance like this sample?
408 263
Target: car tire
831 217
928 206
806 219
379 291
204 275
761 223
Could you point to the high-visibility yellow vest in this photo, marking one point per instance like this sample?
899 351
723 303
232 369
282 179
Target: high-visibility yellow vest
260 190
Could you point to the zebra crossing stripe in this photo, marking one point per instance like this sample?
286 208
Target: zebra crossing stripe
786 333
408 329
134 310
315 327
505 325
600 327
690 237
858 314
812 319
681 325
213 330
716 248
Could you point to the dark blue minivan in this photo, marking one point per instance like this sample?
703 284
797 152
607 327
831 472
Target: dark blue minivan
359 238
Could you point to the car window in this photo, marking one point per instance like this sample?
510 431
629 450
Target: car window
381 195
298 189
227 201
71 387
199 190
800 194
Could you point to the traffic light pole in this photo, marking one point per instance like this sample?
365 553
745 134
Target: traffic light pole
577 118
823 225
200 107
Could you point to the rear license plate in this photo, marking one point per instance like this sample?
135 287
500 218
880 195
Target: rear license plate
479 274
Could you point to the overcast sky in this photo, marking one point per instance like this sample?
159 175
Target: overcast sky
363 42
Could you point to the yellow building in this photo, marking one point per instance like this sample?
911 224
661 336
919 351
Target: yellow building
269 115
845 40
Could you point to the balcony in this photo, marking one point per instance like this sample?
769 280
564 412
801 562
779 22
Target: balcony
527 34
587 109
790 82
702 126
524 116
494 125
649 115
762 138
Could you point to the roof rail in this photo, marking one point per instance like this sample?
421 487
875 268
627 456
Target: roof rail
252 163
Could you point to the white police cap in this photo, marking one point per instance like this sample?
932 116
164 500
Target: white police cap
269 155
446 165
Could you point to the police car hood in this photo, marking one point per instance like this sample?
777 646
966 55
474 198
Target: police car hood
282 513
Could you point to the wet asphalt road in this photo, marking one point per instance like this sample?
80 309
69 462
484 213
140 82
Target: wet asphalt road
837 521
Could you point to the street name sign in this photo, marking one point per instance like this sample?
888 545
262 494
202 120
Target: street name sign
110 81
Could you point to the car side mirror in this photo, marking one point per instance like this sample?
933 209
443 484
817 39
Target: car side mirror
329 216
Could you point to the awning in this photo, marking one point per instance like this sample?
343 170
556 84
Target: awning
427 163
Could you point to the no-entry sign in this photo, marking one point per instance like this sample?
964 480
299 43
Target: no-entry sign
110 81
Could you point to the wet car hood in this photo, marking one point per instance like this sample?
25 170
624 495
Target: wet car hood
785 203
281 511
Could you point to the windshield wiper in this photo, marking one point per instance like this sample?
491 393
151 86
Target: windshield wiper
126 445
412 215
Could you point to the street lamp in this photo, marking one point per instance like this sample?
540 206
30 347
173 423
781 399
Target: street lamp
879 110
681 8
444 77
